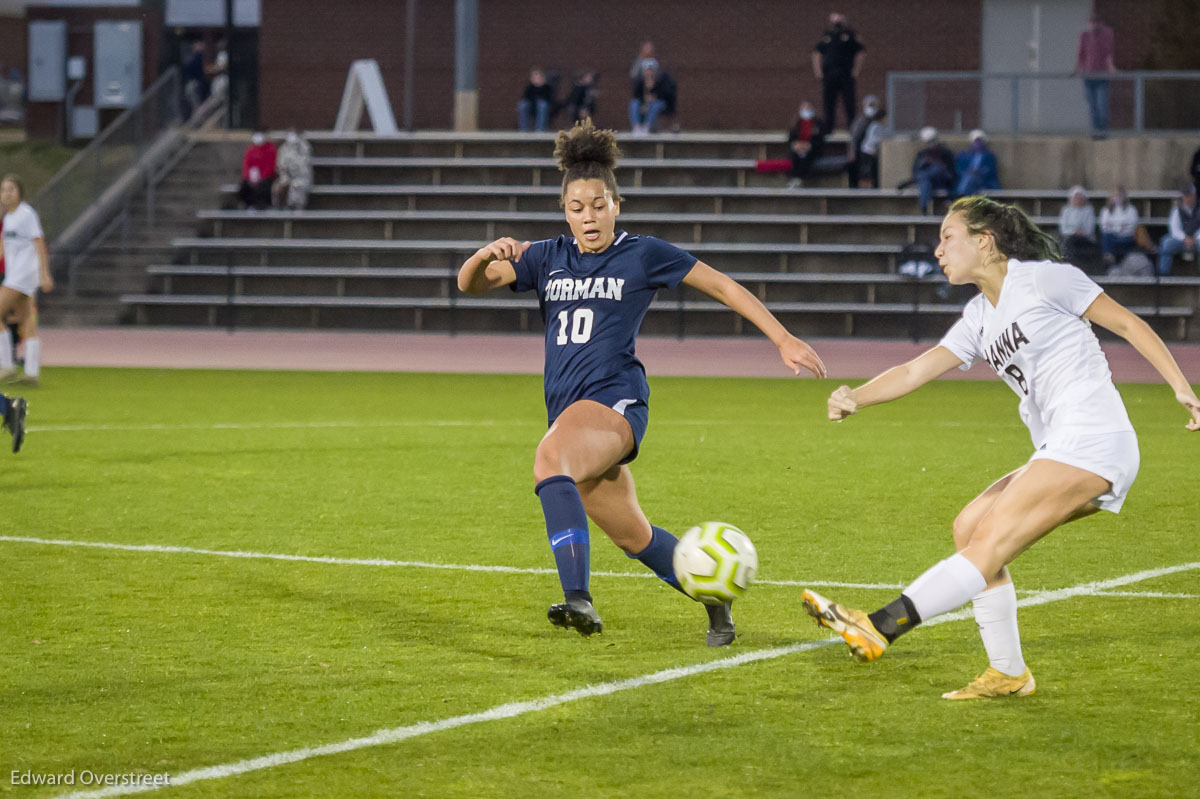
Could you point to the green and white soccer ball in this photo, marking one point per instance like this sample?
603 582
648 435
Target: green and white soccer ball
715 563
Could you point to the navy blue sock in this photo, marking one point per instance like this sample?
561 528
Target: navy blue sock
567 528
3 406
659 556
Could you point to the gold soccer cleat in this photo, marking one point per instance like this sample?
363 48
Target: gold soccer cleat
866 643
993 684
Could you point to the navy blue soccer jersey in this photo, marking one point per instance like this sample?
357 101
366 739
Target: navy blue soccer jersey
593 305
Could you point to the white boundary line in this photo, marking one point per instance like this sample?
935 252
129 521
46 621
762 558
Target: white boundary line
399 423
176 550
514 709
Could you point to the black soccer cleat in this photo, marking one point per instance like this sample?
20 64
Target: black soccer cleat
578 615
14 422
720 624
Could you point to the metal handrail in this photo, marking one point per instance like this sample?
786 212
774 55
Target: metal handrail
80 181
1138 78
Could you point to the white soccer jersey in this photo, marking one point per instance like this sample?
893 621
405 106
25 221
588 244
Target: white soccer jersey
21 268
1036 340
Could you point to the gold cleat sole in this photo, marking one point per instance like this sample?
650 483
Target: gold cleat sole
865 643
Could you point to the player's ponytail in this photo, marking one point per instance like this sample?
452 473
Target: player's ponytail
1015 234
586 153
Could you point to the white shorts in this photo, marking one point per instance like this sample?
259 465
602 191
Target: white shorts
1113 456
22 280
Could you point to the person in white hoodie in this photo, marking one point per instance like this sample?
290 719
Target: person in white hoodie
1118 225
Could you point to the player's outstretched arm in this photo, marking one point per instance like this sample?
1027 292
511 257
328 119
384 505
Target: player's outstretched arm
892 384
727 291
491 266
1111 315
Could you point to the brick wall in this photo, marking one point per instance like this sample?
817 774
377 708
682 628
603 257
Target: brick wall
42 120
738 65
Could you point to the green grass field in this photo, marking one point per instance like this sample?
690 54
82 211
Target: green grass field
119 661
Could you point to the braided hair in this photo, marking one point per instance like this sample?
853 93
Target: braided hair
587 153
1015 234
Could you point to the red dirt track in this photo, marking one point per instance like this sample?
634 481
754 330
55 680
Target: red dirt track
176 348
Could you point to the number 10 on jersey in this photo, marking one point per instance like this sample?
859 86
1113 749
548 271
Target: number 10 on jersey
580 324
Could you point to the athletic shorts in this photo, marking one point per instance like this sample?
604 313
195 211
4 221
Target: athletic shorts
1113 456
22 280
621 396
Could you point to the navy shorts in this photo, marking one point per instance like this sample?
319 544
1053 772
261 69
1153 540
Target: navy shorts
620 396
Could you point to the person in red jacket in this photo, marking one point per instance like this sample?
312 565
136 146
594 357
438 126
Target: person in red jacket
258 172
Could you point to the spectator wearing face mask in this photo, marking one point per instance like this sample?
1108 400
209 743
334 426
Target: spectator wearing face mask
294 165
1077 232
258 172
837 60
976 167
1118 226
933 169
806 142
858 133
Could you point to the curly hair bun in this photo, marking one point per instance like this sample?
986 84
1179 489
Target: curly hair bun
586 145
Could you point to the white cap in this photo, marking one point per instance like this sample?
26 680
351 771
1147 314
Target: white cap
1077 189
977 134
928 133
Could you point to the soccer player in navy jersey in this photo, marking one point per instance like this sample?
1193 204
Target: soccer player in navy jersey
594 288
12 411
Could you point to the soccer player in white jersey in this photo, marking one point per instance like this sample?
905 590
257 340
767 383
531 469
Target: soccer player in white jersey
26 269
1032 324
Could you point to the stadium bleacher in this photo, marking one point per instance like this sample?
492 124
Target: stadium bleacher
391 219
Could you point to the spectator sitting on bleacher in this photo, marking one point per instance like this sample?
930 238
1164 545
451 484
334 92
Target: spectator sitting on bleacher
806 142
868 151
258 172
858 131
1118 227
1077 232
581 102
933 169
645 60
1182 229
653 96
976 167
533 109
294 166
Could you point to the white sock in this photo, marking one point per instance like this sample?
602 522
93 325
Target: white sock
996 615
33 356
945 586
6 350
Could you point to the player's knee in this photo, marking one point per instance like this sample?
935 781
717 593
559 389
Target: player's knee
548 461
989 547
964 528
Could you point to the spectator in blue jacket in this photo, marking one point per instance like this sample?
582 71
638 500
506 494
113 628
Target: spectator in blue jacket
976 167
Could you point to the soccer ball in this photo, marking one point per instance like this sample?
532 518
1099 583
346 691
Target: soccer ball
715 563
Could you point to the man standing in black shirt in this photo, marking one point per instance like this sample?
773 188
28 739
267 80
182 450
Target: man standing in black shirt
837 59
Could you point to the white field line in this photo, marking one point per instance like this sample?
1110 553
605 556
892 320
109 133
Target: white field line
1147 594
514 709
222 553
398 423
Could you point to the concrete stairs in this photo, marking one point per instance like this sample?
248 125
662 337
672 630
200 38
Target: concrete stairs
142 236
